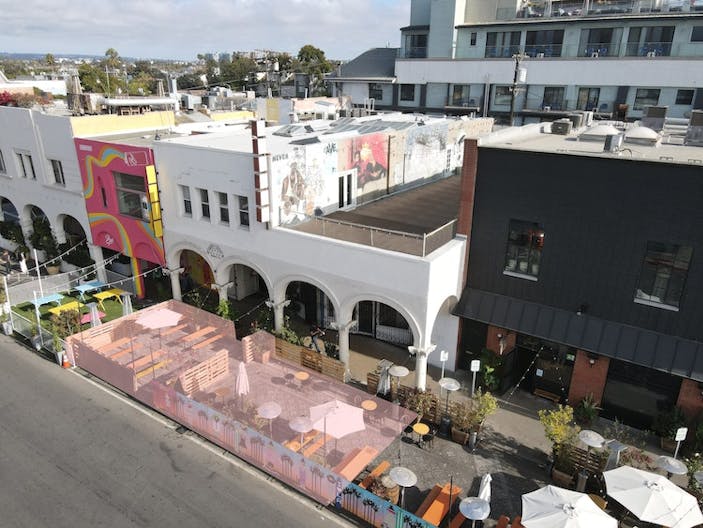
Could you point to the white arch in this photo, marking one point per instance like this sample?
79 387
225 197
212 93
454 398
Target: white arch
279 290
348 309
174 254
222 272
443 329
60 230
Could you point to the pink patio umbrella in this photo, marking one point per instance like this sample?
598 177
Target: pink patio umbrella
337 419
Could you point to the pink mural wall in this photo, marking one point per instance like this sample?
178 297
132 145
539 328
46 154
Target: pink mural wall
121 209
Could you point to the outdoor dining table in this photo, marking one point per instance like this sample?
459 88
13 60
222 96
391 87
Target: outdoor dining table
88 287
73 305
108 294
420 429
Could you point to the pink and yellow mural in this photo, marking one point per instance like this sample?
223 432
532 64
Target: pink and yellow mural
122 201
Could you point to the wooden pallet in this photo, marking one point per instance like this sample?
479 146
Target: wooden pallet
152 368
547 395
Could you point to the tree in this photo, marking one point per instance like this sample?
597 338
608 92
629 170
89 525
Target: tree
49 59
190 80
312 60
112 59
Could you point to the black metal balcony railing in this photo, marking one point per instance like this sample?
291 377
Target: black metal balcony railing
543 50
501 51
601 49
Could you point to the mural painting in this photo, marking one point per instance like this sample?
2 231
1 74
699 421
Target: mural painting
369 157
426 154
118 182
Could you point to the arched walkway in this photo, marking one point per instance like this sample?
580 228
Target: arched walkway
445 328
71 231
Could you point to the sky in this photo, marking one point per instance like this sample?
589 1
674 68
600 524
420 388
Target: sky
180 29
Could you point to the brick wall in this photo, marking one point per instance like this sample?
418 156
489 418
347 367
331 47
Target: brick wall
690 398
588 379
493 341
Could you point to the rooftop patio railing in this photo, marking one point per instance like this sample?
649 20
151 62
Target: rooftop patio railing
388 239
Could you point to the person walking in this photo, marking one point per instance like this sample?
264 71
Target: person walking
6 262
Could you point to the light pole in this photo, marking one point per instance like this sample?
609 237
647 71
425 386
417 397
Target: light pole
519 75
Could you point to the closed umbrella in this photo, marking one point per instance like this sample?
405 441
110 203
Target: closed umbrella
652 498
126 304
94 315
484 489
554 507
241 383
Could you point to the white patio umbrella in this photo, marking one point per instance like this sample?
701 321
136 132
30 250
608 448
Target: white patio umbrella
652 498
126 303
94 316
554 507
337 419
241 383
484 489
158 319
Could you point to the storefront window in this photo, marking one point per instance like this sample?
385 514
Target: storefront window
131 195
524 251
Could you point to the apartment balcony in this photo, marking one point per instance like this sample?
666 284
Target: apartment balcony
595 8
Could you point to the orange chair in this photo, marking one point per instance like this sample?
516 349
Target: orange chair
503 521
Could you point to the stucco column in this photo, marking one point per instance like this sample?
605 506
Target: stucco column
176 283
96 253
421 364
277 308
343 344
222 290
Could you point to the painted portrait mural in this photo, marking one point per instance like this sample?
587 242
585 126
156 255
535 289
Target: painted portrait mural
369 157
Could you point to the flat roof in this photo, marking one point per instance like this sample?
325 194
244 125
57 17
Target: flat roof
533 138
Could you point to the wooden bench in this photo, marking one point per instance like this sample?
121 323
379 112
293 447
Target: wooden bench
207 342
431 496
153 368
352 466
547 395
441 505
458 520
200 333
140 362
294 443
320 440
379 470
115 344
173 329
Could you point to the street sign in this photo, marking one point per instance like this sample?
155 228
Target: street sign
681 433
475 365
443 355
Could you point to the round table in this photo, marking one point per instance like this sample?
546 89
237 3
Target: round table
369 405
302 425
404 478
671 465
474 509
269 410
420 430
397 372
302 377
591 438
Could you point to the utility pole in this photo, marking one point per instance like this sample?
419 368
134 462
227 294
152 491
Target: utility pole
519 75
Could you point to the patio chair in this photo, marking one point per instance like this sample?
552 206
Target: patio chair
428 439
600 501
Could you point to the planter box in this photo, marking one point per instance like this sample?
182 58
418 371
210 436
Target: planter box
7 328
53 269
460 437
668 444
561 479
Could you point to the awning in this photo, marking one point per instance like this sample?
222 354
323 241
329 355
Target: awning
682 357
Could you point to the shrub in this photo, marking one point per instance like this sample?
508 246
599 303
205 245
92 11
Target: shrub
666 423
586 411
558 425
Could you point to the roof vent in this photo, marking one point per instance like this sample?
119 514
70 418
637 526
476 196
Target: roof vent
561 127
598 132
613 143
642 135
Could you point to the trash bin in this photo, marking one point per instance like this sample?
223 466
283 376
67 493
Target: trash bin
581 480
473 436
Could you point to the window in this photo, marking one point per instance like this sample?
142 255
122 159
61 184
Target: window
663 275
3 169
187 204
131 195
697 34
588 98
204 204
375 91
502 44
224 207
416 46
524 253
547 42
684 97
243 210
502 95
407 92
553 97
646 97
472 39
58 172
26 165
460 95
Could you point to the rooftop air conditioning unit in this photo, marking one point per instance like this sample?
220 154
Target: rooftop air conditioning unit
562 127
613 142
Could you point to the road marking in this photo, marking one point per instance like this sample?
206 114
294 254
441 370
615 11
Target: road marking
218 451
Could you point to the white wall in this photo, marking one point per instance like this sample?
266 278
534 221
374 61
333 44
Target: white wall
44 137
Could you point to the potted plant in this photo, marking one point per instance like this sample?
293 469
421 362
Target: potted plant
562 433
34 336
423 403
586 411
463 421
63 325
469 417
666 424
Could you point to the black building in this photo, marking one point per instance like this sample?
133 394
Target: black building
586 259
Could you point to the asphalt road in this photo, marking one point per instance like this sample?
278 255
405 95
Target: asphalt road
72 454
